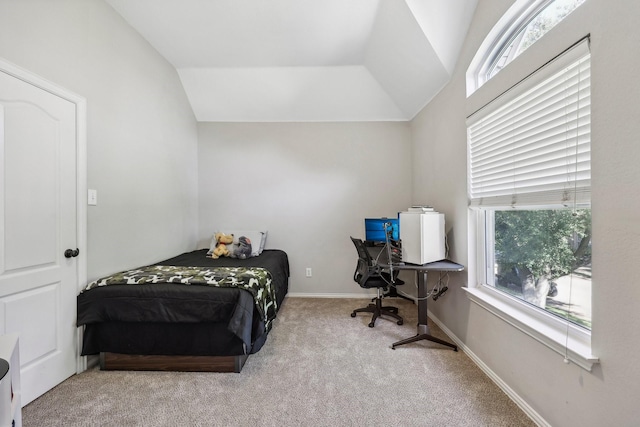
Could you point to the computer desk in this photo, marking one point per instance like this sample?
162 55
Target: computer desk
421 277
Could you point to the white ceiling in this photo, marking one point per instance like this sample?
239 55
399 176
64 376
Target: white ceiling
305 60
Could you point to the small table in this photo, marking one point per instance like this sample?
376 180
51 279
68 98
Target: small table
421 275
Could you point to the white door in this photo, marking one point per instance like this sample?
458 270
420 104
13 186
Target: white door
38 284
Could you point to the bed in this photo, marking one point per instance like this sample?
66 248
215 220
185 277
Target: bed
162 320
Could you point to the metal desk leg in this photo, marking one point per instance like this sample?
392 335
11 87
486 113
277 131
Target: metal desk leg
423 328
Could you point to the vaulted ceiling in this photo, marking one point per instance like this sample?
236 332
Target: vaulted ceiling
305 60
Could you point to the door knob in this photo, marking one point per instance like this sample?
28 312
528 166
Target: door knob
69 253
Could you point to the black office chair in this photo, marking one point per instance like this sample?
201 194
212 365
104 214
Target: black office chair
370 275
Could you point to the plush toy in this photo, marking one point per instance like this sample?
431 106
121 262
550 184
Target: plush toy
242 249
222 240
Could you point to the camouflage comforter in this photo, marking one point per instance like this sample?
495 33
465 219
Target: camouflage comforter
255 280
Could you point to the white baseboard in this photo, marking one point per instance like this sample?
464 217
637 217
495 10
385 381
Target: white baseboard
325 295
522 404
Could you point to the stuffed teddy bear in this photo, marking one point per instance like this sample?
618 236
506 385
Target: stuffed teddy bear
222 240
242 249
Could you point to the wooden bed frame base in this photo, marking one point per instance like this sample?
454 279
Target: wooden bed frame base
140 362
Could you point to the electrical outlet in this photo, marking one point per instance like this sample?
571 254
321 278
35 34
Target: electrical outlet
309 272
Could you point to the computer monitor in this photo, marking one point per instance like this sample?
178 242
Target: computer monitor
375 230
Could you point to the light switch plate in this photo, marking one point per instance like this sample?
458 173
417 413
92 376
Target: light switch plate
92 197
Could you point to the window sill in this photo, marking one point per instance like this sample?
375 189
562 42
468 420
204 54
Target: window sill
568 340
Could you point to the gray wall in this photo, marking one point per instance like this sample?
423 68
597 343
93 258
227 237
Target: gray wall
142 136
563 395
309 184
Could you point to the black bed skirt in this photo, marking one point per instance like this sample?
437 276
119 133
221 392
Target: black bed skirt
173 339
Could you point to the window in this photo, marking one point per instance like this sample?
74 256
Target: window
525 23
543 257
530 191
530 29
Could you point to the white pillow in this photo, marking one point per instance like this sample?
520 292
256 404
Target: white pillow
263 242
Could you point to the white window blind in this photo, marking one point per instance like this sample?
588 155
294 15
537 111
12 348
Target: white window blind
531 145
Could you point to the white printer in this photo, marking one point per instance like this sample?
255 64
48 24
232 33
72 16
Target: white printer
422 235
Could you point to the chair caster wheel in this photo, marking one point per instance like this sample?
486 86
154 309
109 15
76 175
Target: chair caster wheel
371 325
400 322
353 315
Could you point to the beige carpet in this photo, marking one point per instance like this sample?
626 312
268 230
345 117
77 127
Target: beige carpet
319 367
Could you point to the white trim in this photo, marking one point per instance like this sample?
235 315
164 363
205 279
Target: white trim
81 200
81 172
329 295
568 340
515 397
